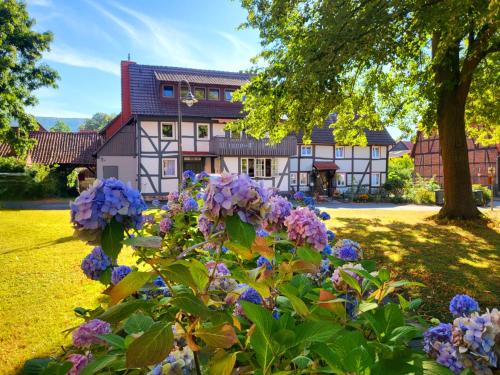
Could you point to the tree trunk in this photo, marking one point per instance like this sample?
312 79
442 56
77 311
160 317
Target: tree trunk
452 91
459 202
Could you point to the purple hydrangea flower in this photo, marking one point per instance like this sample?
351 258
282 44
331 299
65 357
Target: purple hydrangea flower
106 199
155 203
462 305
324 216
280 208
189 175
447 356
173 196
190 205
337 280
261 233
438 334
262 261
94 264
347 250
118 273
206 226
250 295
86 335
79 362
305 227
298 196
221 269
229 195
165 224
331 235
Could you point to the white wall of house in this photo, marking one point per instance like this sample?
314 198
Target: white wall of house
126 166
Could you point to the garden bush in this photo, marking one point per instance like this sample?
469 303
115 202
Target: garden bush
487 195
230 278
422 190
11 165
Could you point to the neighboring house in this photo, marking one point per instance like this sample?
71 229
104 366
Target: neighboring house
142 142
401 148
426 153
65 149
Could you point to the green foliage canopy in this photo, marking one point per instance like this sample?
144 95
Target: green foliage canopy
97 121
373 63
21 49
60 126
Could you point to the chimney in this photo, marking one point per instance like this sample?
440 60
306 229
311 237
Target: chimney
126 106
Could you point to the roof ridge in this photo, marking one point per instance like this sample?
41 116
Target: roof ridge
193 70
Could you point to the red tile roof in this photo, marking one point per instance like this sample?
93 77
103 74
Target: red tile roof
61 148
325 165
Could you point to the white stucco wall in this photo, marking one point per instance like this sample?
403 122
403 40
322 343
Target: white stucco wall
127 167
324 152
362 152
218 130
231 164
378 165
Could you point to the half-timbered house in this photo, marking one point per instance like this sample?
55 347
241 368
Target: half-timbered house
426 153
146 146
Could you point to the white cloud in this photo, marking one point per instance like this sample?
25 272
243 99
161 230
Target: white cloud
69 56
48 110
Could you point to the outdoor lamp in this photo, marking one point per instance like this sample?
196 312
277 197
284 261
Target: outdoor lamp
190 99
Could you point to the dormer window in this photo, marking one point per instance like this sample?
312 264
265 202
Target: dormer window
199 93
168 91
213 94
228 95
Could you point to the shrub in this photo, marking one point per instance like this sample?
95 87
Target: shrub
213 292
399 175
487 195
12 165
422 190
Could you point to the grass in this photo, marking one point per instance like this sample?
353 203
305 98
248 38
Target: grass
41 281
448 259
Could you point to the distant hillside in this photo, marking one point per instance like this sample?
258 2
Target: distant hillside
48 122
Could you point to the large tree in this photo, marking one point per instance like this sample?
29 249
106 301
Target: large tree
375 63
21 72
97 121
60 126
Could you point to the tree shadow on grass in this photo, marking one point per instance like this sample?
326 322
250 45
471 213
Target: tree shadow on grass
446 259
39 246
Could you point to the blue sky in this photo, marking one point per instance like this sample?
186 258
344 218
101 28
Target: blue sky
92 36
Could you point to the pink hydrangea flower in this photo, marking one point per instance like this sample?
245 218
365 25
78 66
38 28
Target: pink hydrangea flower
165 224
280 208
79 362
304 227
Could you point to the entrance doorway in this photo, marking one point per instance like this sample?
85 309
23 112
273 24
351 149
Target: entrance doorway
195 164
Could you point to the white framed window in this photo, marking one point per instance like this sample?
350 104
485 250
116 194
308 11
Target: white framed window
169 167
306 150
375 152
167 130
303 179
341 179
293 179
375 179
203 131
228 95
168 91
259 167
199 93
339 152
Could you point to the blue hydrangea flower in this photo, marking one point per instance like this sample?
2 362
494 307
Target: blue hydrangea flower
262 261
440 333
224 249
309 201
324 265
462 305
327 250
189 175
251 295
331 235
324 216
346 253
276 313
155 203
118 273
94 264
190 205
298 196
159 289
261 233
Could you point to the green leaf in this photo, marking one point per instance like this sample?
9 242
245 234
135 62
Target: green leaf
351 281
239 231
302 362
384 320
36 366
128 285
199 273
316 331
149 241
261 317
112 237
191 304
54 368
366 306
98 364
384 274
298 305
115 341
331 357
404 334
138 323
121 311
222 363
309 255
180 273
221 336
152 347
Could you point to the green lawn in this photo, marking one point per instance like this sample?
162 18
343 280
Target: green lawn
41 281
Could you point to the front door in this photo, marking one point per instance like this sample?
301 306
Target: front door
195 164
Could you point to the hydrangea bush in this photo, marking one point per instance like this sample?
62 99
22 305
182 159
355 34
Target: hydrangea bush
231 278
